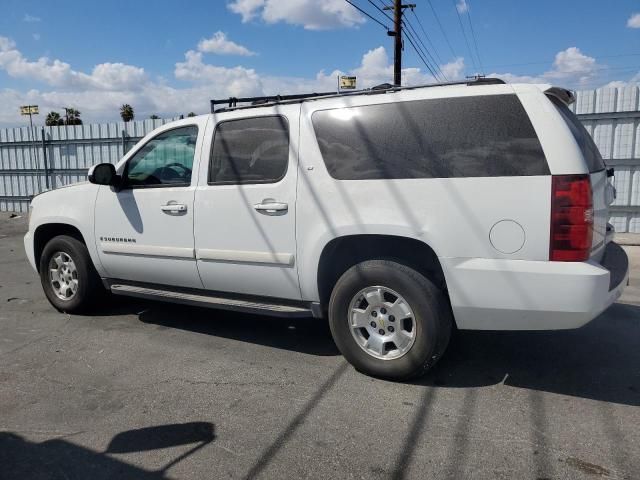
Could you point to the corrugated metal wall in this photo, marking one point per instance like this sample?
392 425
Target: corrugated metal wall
611 115
28 165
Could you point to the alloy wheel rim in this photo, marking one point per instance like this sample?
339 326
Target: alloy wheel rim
63 276
382 322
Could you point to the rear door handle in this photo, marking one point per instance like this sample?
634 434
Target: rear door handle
174 208
269 206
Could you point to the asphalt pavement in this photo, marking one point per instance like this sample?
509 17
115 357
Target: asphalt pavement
149 390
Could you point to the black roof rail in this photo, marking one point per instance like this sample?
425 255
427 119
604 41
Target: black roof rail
232 102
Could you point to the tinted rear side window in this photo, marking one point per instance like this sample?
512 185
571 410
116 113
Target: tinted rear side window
250 150
481 136
589 149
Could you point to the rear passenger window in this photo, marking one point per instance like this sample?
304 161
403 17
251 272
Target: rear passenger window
481 136
250 150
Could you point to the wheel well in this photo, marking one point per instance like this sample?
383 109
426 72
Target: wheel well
46 232
342 253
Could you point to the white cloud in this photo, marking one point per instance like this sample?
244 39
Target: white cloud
454 70
620 83
311 14
105 76
30 18
248 9
634 21
221 45
570 68
36 36
462 6
99 94
236 81
571 63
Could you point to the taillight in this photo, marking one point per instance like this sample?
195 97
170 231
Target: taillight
571 218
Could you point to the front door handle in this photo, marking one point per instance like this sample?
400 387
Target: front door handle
271 206
174 208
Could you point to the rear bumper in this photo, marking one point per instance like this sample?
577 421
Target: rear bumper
503 294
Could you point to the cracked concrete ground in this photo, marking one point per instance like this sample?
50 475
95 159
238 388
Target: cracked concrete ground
147 390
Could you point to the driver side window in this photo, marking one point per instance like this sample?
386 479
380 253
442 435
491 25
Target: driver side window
164 160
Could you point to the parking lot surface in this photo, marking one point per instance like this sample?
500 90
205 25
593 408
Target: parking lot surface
150 390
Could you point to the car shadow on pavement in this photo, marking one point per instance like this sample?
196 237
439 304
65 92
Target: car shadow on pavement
304 335
59 458
598 361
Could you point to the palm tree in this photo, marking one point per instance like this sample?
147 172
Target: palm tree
191 114
126 112
154 117
72 117
53 119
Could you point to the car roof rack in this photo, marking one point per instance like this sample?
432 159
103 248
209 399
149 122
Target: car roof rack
254 102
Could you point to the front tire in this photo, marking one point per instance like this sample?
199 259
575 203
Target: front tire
388 320
68 277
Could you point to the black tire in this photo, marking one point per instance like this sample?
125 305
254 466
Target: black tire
431 311
89 284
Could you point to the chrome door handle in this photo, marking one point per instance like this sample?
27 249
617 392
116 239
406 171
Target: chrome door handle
174 208
271 207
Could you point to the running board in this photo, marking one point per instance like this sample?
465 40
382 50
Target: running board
200 300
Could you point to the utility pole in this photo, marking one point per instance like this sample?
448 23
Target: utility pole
398 9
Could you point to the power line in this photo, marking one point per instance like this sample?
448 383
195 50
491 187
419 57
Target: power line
398 10
425 56
411 31
597 69
426 35
413 38
547 62
466 40
444 34
417 38
365 13
473 34
409 38
380 9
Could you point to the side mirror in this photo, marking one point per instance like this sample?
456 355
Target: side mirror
104 174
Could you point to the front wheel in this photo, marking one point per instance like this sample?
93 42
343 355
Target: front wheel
389 320
68 276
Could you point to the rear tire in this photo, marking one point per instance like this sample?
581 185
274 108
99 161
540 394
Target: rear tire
388 320
68 277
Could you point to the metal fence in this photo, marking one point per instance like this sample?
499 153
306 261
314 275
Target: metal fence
612 117
56 156
50 157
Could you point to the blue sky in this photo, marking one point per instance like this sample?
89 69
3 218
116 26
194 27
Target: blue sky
172 57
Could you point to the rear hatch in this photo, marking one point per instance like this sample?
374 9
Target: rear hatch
602 189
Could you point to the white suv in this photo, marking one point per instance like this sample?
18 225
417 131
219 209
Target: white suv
396 213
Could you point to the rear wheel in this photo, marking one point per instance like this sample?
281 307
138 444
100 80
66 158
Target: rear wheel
389 320
68 276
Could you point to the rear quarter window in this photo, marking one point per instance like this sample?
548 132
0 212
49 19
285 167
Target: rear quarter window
589 149
481 136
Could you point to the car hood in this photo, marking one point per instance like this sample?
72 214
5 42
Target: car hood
68 192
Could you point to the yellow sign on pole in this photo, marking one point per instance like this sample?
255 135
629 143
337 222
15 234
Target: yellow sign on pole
347 82
29 110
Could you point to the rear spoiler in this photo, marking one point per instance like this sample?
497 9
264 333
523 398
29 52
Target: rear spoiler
565 96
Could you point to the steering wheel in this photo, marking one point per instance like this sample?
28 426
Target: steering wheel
167 173
187 170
